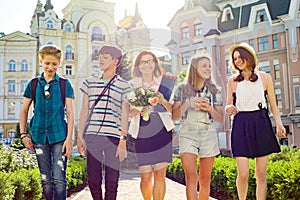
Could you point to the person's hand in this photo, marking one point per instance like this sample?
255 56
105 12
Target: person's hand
161 98
231 110
204 105
194 103
121 150
280 130
27 143
80 146
133 112
67 147
144 110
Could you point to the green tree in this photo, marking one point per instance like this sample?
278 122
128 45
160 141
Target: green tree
181 77
124 69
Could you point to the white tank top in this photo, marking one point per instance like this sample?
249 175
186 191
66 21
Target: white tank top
250 94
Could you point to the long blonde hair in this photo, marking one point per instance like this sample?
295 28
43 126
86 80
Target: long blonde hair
190 85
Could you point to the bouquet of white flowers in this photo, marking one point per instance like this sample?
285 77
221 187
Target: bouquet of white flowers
142 97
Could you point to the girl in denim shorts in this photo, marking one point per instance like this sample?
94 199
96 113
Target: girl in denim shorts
198 102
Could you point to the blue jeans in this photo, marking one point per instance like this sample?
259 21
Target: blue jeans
101 152
52 164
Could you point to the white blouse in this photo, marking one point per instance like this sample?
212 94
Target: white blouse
250 94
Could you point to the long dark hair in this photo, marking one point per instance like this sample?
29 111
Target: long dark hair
245 56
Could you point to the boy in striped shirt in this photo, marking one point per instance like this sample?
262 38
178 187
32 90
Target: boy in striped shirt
104 123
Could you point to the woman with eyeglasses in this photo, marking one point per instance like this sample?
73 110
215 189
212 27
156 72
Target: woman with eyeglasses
153 142
51 135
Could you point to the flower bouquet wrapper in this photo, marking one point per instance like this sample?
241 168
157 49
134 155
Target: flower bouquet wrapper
146 113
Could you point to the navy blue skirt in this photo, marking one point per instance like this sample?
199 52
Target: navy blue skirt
154 143
252 135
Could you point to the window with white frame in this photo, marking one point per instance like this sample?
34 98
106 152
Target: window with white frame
198 29
227 14
23 85
185 32
97 34
12 65
278 97
95 53
227 62
296 79
297 95
185 58
251 43
69 70
276 69
50 24
263 43
11 86
265 66
69 55
261 16
24 65
68 28
275 41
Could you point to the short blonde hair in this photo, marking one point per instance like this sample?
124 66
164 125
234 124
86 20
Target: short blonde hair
50 50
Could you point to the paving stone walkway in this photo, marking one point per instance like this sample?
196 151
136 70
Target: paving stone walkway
129 189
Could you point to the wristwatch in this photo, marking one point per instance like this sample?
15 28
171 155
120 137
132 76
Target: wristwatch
123 137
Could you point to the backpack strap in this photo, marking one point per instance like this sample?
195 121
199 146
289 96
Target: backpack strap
62 85
34 82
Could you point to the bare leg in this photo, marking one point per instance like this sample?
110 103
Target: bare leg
159 189
146 185
191 176
206 165
242 177
261 179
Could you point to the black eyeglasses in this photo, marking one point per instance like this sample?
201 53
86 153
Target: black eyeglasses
47 92
144 62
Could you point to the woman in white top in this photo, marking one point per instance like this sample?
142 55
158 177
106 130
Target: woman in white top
252 135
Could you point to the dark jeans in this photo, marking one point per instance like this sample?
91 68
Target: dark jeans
52 164
101 151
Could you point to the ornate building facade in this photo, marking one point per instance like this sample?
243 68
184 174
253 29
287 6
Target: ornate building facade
86 25
272 28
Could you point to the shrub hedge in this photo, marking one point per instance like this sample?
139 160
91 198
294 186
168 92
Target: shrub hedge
20 177
283 175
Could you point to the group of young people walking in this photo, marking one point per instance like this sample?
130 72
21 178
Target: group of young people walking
106 118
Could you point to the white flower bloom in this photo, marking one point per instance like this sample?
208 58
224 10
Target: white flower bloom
131 96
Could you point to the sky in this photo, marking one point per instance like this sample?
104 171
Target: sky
15 15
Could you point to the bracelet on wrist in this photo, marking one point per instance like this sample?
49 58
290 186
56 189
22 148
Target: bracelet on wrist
23 136
23 133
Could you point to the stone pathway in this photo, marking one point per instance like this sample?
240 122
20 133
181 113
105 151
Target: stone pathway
129 189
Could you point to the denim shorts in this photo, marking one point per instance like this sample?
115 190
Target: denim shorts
197 137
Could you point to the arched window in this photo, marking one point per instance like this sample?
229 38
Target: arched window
69 55
24 66
68 28
12 65
49 24
97 34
